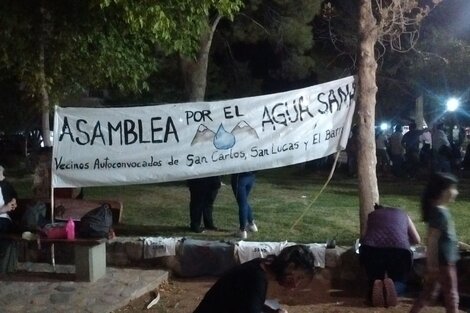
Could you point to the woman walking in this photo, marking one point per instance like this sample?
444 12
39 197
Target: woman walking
442 245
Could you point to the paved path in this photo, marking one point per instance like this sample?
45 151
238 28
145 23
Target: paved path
37 290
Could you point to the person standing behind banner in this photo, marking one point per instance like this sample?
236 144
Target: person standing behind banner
411 143
203 192
441 150
425 155
383 161
242 183
397 151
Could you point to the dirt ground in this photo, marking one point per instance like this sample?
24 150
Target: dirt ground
183 296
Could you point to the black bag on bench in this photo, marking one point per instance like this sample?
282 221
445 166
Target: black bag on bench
97 223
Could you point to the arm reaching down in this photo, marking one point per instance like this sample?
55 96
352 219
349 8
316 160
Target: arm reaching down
413 234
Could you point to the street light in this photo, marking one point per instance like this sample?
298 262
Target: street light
452 104
384 126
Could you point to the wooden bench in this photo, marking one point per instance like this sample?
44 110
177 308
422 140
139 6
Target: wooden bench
90 254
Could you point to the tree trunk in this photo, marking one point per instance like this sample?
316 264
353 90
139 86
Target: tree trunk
195 70
419 112
43 93
367 90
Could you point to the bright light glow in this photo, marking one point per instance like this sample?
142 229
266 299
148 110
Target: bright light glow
384 126
452 104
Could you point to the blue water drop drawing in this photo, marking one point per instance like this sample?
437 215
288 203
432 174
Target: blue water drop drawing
223 140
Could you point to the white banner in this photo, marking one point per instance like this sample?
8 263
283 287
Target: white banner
160 143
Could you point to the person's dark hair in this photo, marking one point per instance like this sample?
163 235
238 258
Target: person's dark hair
298 255
398 128
412 126
437 184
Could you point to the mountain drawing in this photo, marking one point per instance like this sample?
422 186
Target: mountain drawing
222 139
203 134
245 130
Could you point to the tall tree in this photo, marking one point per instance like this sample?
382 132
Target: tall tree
194 68
50 47
391 25
186 28
367 89
394 25
270 41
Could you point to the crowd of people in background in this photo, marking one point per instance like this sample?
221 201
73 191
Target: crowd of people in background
408 154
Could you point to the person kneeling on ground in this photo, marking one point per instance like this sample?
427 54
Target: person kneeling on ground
243 288
386 255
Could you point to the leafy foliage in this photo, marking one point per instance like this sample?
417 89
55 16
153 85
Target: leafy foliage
83 48
286 27
175 26
99 44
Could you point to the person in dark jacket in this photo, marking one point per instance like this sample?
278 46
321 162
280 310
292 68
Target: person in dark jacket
203 192
243 288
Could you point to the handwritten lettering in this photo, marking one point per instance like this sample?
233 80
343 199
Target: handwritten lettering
286 113
107 163
127 132
192 159
197 116
332 133
334 99
229 114
70 165
218 156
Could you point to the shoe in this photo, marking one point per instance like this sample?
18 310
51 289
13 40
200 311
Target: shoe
242 234
378 293
197 230
390 292
252 227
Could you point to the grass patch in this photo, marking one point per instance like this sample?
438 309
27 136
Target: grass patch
279 197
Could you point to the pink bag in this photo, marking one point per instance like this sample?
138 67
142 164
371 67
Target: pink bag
54 231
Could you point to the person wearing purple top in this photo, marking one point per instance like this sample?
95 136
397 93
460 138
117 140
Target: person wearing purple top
385 252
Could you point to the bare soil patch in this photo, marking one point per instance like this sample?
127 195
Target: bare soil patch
183 295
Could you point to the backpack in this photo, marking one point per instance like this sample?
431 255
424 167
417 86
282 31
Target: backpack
34 217
96 223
